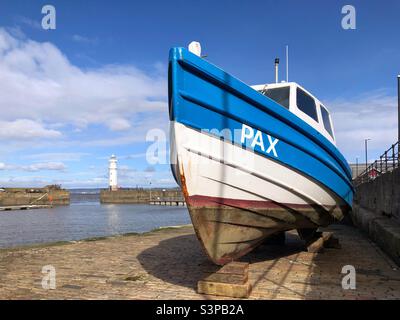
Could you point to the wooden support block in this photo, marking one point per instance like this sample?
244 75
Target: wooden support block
235 268
326 240
316 246
231 280
224 289
332 243
326 235
227 278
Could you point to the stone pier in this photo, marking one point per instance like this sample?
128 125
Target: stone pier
167 264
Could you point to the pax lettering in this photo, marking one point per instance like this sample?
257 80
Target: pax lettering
257 139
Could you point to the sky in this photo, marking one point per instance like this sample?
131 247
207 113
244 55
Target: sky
96 84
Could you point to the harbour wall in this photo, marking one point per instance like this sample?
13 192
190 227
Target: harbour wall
139 195
376 211
381 195
36 196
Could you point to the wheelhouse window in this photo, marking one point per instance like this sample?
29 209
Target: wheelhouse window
279 95
306 104
326 120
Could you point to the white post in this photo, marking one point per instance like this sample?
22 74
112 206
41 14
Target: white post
195 47
112 171
276 70
398 112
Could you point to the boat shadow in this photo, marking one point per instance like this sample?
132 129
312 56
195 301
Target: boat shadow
178 260
181 261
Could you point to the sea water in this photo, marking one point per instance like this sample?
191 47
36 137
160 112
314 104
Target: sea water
84 218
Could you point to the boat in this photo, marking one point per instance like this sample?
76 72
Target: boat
252 161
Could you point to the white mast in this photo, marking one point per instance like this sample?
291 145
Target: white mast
287 63
112 172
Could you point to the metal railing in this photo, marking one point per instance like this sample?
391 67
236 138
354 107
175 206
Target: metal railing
388 161
167 199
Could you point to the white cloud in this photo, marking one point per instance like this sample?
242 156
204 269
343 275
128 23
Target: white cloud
144 178
40 84
54 166
118 124
57 166
57 156
132 179
25 129
83 39
27 181
2 166
372 115
35 24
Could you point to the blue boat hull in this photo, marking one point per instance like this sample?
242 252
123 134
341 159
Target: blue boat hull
296 174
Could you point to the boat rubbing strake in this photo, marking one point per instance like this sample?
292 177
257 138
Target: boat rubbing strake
251 161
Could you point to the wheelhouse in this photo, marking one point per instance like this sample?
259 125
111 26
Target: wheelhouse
302 103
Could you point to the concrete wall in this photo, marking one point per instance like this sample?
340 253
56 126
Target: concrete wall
381 195
56 197
138 195
376 211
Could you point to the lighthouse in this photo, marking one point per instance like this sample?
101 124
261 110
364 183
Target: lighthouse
112 172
